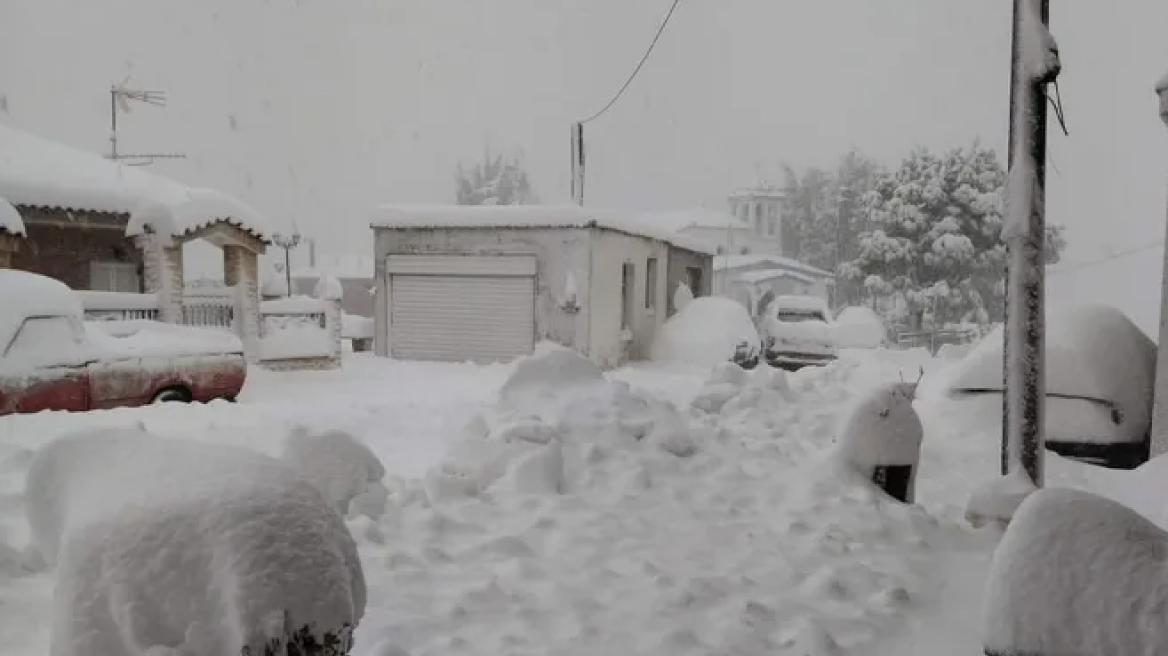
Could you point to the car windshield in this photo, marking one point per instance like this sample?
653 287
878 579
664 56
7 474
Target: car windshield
794 316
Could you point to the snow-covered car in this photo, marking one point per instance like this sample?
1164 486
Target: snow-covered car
51 359
796 332
1100 374
706 331
860 327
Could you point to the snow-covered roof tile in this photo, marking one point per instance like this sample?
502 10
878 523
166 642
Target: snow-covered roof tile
726 262
10 220
38 172
529 216
678 220
196 208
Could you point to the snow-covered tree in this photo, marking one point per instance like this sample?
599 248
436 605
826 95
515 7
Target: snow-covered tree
931 252
495 180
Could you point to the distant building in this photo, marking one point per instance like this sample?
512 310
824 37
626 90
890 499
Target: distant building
754 279
761 209
355 273
725 233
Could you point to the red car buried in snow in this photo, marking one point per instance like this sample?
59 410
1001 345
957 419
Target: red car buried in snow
51 359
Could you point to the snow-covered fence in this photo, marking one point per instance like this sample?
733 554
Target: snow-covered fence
209 308
358 330
118 306
300 333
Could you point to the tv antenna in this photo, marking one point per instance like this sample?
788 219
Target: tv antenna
120 97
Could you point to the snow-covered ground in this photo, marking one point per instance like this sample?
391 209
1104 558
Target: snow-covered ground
681 515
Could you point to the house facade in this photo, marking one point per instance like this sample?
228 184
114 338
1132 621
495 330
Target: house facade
487 283
761 209
754 279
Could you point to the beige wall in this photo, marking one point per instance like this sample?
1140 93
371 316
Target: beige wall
610 252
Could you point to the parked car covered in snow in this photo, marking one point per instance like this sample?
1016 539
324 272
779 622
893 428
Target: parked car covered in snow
51 359
796 332
1100 375
706 331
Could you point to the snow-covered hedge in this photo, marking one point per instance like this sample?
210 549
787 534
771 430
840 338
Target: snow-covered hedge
336 462
165 546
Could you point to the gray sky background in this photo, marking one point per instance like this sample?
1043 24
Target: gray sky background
317 110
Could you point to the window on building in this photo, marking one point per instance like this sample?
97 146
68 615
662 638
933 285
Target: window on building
628 285
651 284
114 277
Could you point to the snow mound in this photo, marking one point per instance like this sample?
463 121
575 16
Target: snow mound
1092 351
342 467
731 389
997 500
884 429
10 220
205 548
556 416
1076 573
328 288
860 327
706 331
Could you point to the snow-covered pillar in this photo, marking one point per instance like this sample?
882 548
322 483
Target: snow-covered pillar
163 269
241 267
1159 444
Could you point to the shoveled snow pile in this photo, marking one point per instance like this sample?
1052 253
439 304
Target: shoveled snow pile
343 468
167 546
1076 573
998 500
859 327
706 331
568 520
1092 351
10 220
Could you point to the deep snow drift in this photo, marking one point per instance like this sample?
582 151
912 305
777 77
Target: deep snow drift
176 545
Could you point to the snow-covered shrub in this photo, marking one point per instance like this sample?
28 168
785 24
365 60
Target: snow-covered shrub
707 331
882 431
1076 573
682 296
167 546
328 288
335 461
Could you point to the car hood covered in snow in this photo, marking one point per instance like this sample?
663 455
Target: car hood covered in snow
156 339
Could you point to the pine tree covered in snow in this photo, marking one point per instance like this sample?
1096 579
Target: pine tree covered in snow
931 252
495 180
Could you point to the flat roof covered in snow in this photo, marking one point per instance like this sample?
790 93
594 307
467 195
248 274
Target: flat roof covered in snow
38 172
770 274
678 220
391 217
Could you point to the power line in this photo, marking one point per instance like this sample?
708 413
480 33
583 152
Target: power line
640 64
1104 260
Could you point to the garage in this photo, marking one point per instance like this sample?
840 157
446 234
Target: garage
458 308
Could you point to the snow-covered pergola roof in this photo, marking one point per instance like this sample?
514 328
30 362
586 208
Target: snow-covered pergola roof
731 262
751 277
38 172
10 221
529 216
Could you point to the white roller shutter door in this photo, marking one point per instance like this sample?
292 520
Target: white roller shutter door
458 308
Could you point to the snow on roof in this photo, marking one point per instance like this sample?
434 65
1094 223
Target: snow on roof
529 216
348 266
10 220
758 192
724 262
38 172
678 220
196 209
805 303
24 294
770 274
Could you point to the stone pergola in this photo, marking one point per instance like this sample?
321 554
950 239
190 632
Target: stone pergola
11 232
162 229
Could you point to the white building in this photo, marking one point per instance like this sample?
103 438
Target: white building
485 283
724 232
753 279
762 210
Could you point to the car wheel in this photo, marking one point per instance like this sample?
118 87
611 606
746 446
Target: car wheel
172 395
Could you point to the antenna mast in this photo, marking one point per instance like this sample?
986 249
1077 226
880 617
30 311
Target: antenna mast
120 97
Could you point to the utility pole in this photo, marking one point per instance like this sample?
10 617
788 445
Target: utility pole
120 95
578 163
1034 65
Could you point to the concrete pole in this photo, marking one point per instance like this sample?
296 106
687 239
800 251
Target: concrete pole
1159 441
1024 384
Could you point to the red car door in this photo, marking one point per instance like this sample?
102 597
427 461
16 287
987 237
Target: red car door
45 367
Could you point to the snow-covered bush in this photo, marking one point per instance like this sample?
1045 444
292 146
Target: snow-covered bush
682 296
328 288
165 546
341 466
884 430
1076 573
707 331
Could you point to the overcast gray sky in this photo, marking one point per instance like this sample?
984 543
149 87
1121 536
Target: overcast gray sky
316 110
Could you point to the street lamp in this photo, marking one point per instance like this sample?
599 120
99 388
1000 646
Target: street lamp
288 243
